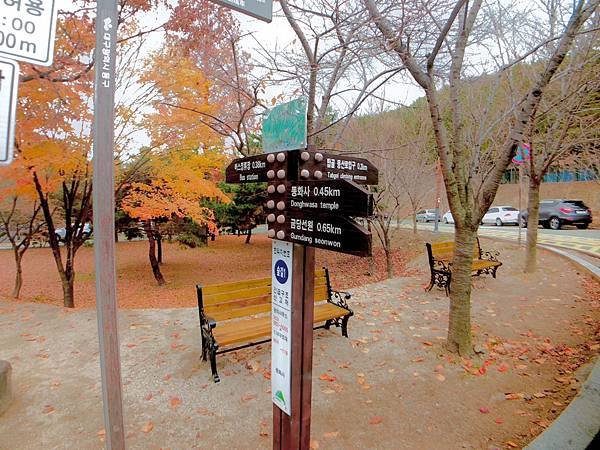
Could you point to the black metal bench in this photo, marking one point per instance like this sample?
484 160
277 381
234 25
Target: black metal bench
237 315
440 263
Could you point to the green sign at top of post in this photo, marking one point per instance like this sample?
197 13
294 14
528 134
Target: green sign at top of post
284 127
259 9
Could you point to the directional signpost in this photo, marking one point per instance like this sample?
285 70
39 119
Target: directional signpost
9 80
312 198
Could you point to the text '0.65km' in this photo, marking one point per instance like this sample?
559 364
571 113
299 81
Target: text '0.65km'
27 30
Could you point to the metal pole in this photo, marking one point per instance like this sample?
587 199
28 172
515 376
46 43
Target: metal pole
104 222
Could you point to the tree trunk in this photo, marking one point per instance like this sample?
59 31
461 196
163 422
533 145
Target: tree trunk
159 247
19 276
414 222
533 216
152 254
459 327
388 256
249 235
68 292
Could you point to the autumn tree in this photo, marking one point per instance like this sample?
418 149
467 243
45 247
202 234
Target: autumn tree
20 220
433 44
178 180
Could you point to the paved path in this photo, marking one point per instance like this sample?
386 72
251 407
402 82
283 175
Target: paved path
586 240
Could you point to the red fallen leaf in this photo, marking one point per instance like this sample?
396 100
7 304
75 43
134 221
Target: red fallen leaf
499 421
167 377
326 377
266 373
148 427
101 433
375 420
130 345
48 409
488 362
502 368
248 396
427 343
175 402
417 359
148 396
484 410
482 370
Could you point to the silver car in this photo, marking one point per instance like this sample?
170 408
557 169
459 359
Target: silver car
425 215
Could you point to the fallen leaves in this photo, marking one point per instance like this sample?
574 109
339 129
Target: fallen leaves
174 403
375 420
248 396
148 427
326 377
48 409
484 410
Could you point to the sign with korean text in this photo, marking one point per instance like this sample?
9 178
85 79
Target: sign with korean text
9 80
259 9
252 169
281 332
339 167
329 197
329 232
284 127
27 29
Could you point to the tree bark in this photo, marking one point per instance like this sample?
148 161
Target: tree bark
152 254
533 216
68 291
19 275
459 327
249 235
388 256
159 247
414 222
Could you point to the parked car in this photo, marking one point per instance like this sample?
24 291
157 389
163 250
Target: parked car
556 213
426 215
501 215
447 218
61 233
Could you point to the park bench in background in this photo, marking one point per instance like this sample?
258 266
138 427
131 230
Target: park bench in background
238 314
440 263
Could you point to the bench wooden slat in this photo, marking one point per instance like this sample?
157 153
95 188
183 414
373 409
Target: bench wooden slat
260 327
212 289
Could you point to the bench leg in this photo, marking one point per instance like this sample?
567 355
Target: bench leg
431 283
328 324
447 285
204 347
213 363
345 325
494 272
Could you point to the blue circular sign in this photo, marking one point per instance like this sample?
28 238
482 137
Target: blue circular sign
281 271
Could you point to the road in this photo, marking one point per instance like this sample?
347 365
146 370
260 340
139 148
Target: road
572 238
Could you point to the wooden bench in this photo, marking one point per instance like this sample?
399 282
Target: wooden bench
237 315
440 262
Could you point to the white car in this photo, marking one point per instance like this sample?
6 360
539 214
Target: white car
501 215
447 218
61 233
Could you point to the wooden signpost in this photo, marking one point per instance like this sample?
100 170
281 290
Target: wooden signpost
312 198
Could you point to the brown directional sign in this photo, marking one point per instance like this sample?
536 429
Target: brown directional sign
329 232
329 166
324 197
247 170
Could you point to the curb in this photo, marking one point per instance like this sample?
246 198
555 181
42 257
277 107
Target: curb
579 423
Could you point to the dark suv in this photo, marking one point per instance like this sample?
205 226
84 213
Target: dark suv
556 213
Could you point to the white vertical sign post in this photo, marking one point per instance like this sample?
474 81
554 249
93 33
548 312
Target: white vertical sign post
104 222
281 349
9 80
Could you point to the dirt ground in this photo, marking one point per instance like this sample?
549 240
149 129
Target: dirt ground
391 385
226 259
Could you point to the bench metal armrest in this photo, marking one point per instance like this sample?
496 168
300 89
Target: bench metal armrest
212 323
441 266
491 255
339 298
